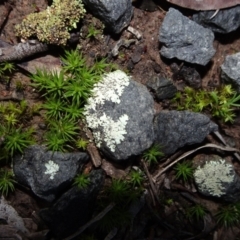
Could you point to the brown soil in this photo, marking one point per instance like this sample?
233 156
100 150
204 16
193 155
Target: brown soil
149 64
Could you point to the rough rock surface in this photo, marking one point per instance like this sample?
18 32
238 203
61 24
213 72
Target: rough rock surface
9 214
185 39
225 21
230 70
115 14
175 129
216 177
74 208
45 172
120 114
162 87
190 76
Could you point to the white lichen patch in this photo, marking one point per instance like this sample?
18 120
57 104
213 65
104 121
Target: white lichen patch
213 176
110 88
52 168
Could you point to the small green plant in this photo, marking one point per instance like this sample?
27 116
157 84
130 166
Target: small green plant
65 128
54 108
52 83
152 154
197 212
184 171
6 71
19 86
54 142
220 102
17 139
10 119
121 192
92 32
118 190
229 215
82 180
136 178
6 182
82 144
73 61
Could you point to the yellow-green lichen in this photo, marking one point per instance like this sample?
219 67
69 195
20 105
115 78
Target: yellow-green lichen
53 24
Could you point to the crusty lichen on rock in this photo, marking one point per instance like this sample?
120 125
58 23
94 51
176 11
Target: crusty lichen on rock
53 24
105 128
213 177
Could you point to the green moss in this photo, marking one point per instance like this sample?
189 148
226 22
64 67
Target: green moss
53 24
220 102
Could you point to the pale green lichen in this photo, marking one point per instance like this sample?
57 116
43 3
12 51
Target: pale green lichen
105 129
214 176
51 168
53 24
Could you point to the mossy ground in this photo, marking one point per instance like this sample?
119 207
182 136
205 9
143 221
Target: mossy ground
173 206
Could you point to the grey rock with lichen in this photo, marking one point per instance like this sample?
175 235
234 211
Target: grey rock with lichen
74 208
175 129
216 177
162 87
230 70
120 115
47 173
225 21
184 39
115 14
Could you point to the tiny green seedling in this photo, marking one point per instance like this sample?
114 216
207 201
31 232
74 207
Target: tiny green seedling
197 212
82 144
136 178
229 216
82 180
221 102
152 154
184 171
92 32
6 182
17 139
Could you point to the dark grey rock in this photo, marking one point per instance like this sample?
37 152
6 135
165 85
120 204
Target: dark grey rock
185 39
175 129
10 215
162 87
74 208
188 74
115 14
216 177
121 116
225 21
230 70
191 77
47 173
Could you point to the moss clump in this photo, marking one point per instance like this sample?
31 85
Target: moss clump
53 24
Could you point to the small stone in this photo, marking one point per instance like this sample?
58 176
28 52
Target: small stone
225 21
120 115
230 70
175 129
185 40
162 87
115 14
190 76
47 173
